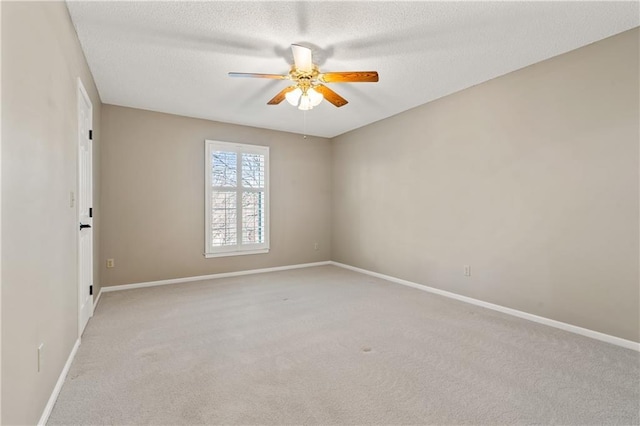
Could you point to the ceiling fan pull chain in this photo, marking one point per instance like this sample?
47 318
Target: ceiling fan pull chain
304 124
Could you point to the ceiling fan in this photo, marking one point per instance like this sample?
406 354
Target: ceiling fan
308 87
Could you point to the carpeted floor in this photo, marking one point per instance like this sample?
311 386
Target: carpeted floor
325 345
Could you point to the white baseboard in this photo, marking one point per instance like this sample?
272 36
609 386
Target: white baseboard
210 277
56 390
95 302
520 314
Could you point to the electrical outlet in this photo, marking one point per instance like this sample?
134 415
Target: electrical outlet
40 356
72 199
111 263
316 246
467 270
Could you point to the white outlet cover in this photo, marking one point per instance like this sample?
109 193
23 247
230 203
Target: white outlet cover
467 270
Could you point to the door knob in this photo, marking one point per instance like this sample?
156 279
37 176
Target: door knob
82 226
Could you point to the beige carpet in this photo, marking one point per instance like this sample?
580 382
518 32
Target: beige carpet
329 346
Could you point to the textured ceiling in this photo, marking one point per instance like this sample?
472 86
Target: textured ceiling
174 56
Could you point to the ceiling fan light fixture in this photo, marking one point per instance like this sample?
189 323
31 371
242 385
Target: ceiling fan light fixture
305 103
307 88
314 97
293 97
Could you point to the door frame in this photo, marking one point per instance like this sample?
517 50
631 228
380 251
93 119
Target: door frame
83 96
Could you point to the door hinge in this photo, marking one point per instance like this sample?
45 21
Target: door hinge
90 290
90 211
91 134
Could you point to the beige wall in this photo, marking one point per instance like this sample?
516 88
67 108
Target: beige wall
531 178
153 196
41 61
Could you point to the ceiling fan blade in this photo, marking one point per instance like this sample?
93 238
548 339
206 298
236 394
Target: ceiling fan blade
302 57
254 75
350 77
331 96
281 95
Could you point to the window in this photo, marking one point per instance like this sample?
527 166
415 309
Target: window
236 199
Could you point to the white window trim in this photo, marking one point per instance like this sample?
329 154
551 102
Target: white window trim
239 249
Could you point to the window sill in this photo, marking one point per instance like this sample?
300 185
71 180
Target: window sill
235 253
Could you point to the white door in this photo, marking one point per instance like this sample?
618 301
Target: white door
85 210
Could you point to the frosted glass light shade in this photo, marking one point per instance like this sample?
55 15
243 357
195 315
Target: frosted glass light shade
314 97
305 103
293 97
